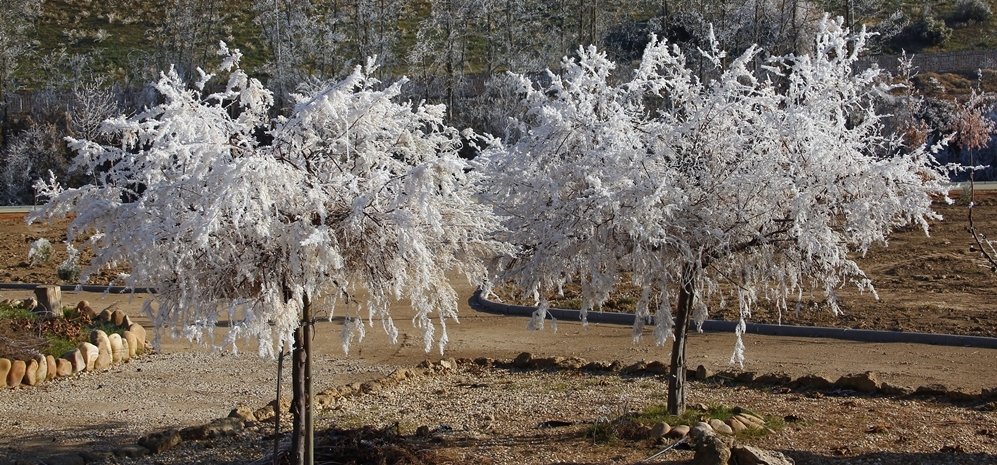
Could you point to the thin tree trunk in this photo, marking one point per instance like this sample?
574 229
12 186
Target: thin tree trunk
302 436
676 377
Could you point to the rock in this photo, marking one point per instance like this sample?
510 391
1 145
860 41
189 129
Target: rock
812 382
216 428
30 373
678 432
140 333
243 413
117 317
324 400
484 361
84 309
745 377
702 372
720 427
66 459
27 304
131 452
700 430
598 367
773 379
127 322
448 364
894 389
51 365
750 422
90 353
105 314
660 429
64 367
712 450
747 455
422 431
103 343
41 371
132 341
161 441
931 390
636 368
4 370
118 353
736 426
76 360
865 382
656 367
126 354
522 361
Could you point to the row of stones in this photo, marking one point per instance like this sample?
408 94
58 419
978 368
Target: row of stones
100 353
867 382
243 417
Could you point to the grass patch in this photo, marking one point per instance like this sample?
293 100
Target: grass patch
8 312
58 345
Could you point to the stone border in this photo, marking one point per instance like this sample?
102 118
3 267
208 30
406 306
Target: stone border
97 355
479 303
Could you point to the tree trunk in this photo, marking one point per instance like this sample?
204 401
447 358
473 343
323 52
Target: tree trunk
676 377
302 436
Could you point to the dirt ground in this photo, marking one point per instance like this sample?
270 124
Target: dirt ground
934 283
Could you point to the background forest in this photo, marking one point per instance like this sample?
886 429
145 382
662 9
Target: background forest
66 65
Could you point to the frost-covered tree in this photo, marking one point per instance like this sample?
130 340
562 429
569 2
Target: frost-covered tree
355 192
745 187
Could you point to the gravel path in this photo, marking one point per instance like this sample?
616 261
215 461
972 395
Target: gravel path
97 411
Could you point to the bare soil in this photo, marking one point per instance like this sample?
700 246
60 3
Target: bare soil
934 283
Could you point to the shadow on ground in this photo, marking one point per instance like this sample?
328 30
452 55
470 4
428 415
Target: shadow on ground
906 458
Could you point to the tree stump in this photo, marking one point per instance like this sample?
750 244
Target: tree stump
49 300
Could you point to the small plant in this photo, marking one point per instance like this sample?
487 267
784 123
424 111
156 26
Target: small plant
59 345
12 312
971 10
39 252
69 269
602 431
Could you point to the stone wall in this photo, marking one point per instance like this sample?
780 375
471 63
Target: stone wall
99 354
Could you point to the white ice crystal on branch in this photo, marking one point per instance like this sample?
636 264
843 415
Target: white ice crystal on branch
352 193
751 185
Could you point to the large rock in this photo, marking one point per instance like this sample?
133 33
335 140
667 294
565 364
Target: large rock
4 369
117 317
76 359
118 354
103 343
720 427
64 367
864 382
747 455
161 441
16 373
90 353
31 373
132 342
678 432
84 309
712 450
140 333
51 365
216 428
41 371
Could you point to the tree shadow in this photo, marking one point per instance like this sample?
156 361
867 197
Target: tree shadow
92 443
907 458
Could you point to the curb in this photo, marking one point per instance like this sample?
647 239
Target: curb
479 303
81 288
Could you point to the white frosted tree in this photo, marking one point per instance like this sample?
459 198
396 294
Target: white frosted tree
353 192
747 187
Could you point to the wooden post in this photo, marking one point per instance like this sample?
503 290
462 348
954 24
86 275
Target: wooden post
49 301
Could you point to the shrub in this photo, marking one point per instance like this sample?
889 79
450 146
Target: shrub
39 252
971 10
69 269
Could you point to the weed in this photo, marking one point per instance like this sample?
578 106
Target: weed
58 345
9 312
